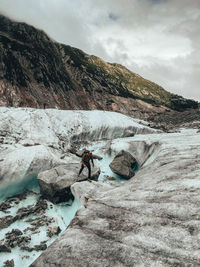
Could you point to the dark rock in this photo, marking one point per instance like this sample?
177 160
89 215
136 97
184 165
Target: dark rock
123 164
42 246
4 206
38 222
179 103
16 232
14 238
173 131
38 208
128 133
4 247
111 178
6 221
55 230
55 183
9 263
26 248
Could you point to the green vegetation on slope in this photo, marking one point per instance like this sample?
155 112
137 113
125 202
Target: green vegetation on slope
125 82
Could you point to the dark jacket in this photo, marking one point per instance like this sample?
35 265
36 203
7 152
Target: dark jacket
86 157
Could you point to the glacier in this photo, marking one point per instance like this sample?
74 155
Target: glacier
32 141
150 220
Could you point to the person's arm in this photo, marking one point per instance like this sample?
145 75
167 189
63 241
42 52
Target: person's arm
92 161
82 161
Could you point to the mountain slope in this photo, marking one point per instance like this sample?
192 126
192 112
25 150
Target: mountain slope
36 71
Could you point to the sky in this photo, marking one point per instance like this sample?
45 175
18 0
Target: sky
157 39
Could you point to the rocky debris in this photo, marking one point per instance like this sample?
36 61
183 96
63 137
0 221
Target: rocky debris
41 246
5 206
173 131
14 232
110 178
174 120
181 104
10 202
55 183
123 164
9 263
38 208
15 238
53 230
4 247
6 221
38 222
128 133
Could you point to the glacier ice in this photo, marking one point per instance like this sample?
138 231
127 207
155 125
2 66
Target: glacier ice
163 195
33 140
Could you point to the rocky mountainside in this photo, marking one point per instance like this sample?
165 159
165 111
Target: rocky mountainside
38 71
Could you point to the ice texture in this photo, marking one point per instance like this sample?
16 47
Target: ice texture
33 140
151 220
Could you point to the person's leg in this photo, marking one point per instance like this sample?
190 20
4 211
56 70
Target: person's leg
81 169
89 170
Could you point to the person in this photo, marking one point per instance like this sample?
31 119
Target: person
86 157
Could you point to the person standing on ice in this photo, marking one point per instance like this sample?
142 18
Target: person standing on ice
86 157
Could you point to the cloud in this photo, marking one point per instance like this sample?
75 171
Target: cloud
159 39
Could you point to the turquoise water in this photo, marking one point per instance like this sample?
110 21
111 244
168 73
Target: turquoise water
62 215
98 149
19 187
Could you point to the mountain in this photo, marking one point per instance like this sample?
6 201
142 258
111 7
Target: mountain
38 71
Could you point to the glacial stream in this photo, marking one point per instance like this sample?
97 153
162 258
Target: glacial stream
39 228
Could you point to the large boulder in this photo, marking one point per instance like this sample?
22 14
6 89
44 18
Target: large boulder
123 164
55 183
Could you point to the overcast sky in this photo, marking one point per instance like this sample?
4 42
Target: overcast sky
158 39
